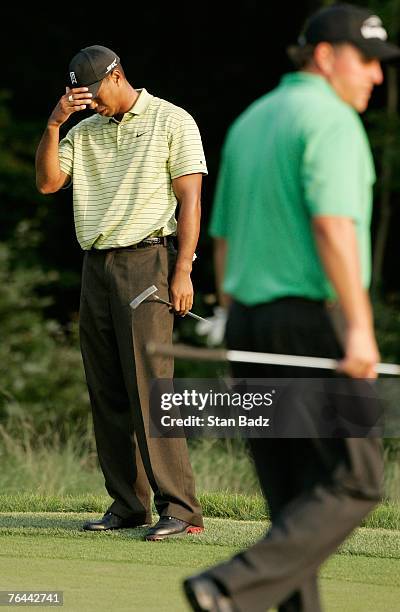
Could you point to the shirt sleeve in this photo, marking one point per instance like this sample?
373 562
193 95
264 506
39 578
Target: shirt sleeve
334 167
219 217
186 155
66 153
219 223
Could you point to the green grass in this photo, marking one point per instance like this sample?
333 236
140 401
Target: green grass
223 505
118 571
218 505
369 542
145 582
360 584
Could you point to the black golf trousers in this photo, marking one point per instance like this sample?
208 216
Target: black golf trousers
318 490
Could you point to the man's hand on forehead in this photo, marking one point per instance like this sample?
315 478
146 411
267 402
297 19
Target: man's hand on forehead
76 99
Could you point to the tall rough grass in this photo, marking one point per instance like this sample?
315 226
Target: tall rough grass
32 464
392 478
223 465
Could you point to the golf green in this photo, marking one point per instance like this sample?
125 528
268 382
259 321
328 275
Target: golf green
118 571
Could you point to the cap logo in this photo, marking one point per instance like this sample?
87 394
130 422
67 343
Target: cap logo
73 78
111 66
372 28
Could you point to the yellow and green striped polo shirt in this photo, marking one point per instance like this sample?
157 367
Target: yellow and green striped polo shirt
122 172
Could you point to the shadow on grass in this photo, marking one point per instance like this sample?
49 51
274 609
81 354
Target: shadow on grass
58 524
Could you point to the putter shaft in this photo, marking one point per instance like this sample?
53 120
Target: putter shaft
189 314
188 352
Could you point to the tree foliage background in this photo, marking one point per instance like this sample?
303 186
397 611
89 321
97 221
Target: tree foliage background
212 65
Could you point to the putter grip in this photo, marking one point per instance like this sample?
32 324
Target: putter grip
189 314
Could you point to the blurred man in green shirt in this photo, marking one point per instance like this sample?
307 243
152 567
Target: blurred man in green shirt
291 223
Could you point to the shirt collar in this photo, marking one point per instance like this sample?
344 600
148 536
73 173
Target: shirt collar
142 102
140 106
307 77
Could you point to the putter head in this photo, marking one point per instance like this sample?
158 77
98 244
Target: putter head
142 296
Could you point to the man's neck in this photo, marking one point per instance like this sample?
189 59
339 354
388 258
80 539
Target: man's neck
314 70
129 99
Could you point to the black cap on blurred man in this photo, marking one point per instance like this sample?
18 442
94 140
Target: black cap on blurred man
351 24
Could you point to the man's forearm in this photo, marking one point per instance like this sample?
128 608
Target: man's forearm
188 230
49 176
48 172
220 248
337 245
188 193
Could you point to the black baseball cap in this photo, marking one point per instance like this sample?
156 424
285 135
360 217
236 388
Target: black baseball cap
89 67
352 24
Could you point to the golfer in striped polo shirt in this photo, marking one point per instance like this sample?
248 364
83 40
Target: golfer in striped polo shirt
130 165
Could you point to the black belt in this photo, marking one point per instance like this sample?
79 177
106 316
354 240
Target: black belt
150 241
146 242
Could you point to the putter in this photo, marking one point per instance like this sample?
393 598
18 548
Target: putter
188 352
150 291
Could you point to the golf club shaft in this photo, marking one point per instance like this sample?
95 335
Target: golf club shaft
189 314
188 352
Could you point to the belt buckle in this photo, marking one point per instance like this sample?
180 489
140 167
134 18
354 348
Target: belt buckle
149 241
156 240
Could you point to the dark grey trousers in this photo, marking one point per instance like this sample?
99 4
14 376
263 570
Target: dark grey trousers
118 373
318 490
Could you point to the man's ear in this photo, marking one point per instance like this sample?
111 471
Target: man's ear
116 76
324 55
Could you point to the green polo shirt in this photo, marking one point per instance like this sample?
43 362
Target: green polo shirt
122 172
297 152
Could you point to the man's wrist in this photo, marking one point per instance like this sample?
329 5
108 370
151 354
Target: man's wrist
52 125
360 331
184 266
362 322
